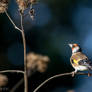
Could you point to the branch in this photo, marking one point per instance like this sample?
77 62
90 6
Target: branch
17 85
21 81
12 21
24 44
12 71
25 61
58 75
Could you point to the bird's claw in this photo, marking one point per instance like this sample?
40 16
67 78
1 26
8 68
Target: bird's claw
73 73
89 74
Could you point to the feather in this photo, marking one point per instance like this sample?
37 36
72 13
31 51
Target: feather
79 61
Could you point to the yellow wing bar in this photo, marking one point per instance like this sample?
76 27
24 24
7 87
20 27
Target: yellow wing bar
76 61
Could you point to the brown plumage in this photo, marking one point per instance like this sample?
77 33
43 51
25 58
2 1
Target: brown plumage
76 58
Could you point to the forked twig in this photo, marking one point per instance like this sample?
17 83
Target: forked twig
58 75
24 44
12 21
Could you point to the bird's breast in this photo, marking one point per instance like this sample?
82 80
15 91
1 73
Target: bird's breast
81 68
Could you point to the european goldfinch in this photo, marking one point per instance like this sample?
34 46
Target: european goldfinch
79 61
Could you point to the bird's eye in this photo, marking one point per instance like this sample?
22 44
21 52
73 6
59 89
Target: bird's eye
72 61
86 59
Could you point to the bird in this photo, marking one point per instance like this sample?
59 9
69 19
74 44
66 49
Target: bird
78 59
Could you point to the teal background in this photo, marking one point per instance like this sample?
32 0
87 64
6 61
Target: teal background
57 23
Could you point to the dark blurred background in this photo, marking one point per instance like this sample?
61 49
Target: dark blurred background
57 23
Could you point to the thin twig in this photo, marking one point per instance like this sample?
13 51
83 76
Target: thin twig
12 21
17 85
24 44
25 60
12 71
55 76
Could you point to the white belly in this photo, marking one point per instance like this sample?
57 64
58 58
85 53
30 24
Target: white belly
81 68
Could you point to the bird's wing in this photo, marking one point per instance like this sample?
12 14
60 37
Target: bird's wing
79 56
86 62
80 59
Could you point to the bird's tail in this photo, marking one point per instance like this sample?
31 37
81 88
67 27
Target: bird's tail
88 63
90 66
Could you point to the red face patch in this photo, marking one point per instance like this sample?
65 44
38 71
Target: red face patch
72 48
74 45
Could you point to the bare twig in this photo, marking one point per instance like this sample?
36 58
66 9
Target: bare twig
12 22
12 71
24 44
58 75
20 82
17 85
25 61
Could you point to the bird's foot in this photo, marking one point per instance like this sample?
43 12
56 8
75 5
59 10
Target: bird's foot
89 74
73 73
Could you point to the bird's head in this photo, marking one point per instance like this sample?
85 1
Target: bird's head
75 48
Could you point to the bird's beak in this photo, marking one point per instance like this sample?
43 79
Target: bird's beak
71 45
